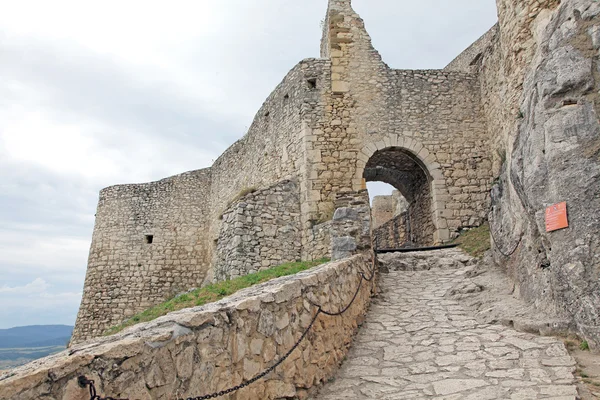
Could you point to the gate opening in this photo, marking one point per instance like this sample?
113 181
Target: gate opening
413 227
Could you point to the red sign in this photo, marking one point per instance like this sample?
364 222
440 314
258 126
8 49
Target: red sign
556 217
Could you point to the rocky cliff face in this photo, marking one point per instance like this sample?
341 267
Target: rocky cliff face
553 155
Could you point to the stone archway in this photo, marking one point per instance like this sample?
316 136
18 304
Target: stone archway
409 167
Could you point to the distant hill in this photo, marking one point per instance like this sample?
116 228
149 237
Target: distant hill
35 336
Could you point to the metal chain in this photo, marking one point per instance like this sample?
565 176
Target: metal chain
372 271
335 314
282 359
83 381
262 374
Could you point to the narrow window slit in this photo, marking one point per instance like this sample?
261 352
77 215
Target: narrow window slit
149 239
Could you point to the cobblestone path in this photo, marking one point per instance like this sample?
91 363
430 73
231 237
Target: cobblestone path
418 344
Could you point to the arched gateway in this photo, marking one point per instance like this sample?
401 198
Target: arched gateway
408 171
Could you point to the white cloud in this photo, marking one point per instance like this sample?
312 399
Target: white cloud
35 303
61 147
41 251
38 286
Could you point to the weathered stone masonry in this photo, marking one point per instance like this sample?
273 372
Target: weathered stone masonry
206 349
435 116
384 208
147 246
519 104
320 127
539 73
551 152
272 150
261 230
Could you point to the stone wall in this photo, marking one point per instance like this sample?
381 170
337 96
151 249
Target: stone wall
384 208
319 127
319 242
274 147
421 225
126 273
470 59
394 234
211 348
434 115
351 225
259 231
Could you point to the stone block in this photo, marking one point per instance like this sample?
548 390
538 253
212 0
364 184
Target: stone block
342 247
340 87
345 213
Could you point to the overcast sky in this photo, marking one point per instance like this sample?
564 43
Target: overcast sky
100 93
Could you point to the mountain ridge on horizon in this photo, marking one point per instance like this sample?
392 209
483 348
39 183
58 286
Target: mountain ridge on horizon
32 336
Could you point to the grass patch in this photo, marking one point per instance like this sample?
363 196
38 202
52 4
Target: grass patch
584 346
215 292
475 241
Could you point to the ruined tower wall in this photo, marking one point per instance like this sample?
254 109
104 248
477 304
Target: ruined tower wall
470 59
384 208
126 274
274 148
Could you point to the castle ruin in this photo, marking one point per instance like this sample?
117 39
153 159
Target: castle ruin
443 138
507 129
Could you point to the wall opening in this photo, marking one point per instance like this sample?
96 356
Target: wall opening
149 239
389 211
404 171
312 83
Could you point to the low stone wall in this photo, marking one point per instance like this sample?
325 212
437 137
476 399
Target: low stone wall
393 234
260 231
199 351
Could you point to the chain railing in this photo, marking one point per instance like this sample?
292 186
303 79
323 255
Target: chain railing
84 382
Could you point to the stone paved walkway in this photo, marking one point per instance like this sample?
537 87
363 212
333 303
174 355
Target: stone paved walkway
418 344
